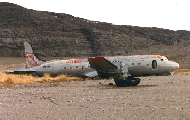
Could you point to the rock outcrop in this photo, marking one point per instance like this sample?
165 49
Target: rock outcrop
62 35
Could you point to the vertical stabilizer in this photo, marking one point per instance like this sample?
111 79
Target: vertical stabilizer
31 59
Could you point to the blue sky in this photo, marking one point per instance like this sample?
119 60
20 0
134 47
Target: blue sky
167 14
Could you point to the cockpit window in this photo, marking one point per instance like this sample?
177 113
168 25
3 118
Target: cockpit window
165 59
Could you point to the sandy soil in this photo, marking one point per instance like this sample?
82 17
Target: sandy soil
156 97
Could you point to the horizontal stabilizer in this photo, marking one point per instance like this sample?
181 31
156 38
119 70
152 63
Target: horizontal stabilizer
91 74
101 64
24 72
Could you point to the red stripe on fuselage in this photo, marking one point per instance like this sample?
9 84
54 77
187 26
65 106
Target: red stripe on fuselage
72 61
157 56
76 61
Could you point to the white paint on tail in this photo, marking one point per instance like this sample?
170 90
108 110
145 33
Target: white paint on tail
31 59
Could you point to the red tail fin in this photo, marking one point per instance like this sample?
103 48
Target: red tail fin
31 59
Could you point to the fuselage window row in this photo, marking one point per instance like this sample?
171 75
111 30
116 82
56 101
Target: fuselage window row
46 66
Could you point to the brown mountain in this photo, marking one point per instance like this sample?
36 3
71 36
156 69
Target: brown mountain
62 35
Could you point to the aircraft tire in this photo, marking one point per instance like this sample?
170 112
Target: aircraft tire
135 81
122 83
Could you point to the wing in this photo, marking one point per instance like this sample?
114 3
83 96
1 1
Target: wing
102 65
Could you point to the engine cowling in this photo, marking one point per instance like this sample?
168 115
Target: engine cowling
122 72
123 78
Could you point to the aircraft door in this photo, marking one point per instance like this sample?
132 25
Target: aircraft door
154 65
82 69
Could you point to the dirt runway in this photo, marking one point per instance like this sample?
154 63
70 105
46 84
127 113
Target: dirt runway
156 97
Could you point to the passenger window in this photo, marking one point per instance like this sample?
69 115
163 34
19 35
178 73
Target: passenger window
147 64
70 67
132 63
161 59
44 66
48 66
76 66
64 67
139 63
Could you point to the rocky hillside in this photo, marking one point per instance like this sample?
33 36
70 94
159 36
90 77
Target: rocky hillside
62 35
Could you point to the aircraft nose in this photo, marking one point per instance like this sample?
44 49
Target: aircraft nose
175 66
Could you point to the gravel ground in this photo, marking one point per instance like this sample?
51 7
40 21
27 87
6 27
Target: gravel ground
156 97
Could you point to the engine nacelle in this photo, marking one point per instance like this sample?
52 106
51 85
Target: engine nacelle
123 76
122 72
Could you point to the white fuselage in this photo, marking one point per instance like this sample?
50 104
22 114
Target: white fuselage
138 65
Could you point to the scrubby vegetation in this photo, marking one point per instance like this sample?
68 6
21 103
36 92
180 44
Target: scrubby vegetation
9 80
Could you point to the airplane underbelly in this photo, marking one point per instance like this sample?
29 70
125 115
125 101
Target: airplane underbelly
135 71
75 72
143 71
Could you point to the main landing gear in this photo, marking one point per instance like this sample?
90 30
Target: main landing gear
130 81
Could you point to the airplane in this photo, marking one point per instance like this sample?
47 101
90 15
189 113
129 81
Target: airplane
124 69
